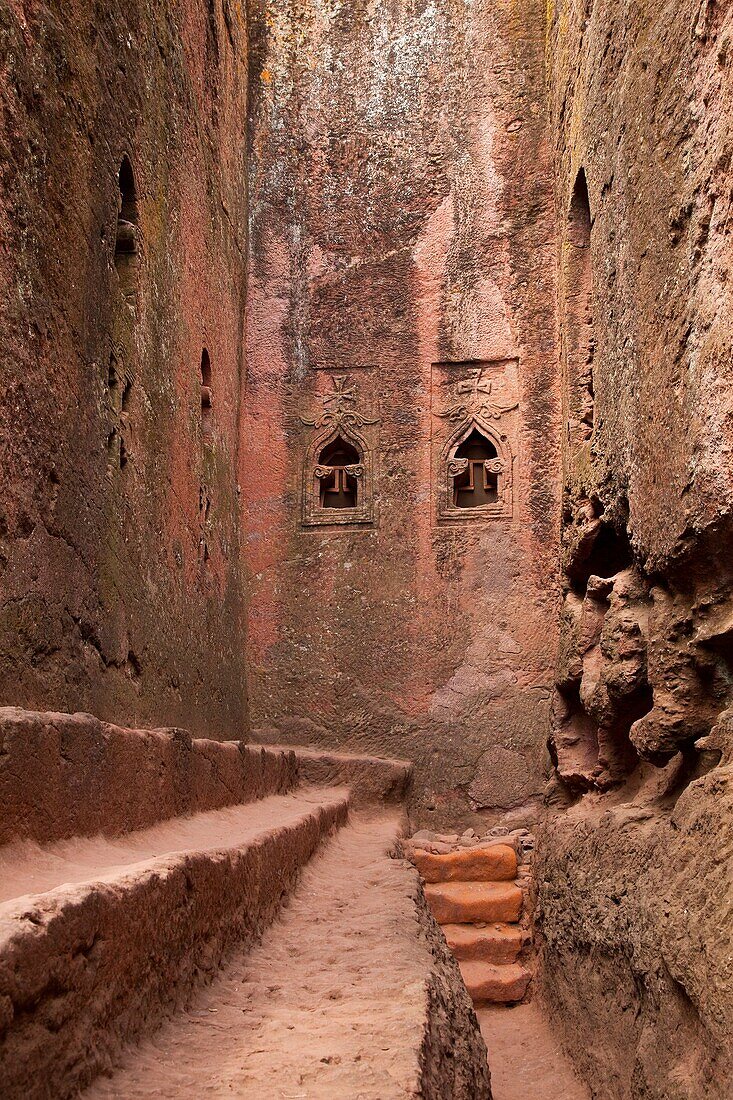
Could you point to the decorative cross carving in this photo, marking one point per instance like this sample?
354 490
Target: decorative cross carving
337 411
478 391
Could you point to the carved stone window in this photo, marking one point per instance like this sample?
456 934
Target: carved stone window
475 471
478 470
474 465
338 472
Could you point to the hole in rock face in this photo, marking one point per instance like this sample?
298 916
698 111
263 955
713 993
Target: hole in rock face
339 488
477 485
575 749
126 396
616 750
579 335
207 397
126 239
609 554
579 220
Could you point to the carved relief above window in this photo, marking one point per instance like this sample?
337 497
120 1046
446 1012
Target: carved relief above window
473 455
338 472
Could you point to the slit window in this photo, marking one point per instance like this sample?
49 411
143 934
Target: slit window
126 239
579 327
207 396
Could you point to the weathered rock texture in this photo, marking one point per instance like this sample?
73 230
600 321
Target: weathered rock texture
119 523
64 775
635 883
236 238
401 239
92 965
635 916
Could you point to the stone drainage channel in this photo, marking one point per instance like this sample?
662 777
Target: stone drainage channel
478 891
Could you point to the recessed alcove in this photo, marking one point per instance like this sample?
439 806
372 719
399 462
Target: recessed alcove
207 395
477 485
126 236
339 486
579 334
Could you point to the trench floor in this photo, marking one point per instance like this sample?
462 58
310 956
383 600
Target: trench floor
329 1005
526 1060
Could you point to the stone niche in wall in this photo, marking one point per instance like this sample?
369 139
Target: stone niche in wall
339 457
474 431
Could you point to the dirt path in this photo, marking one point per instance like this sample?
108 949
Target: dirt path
330 1006
526 1060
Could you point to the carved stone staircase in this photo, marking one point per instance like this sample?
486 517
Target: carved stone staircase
185 917
475 894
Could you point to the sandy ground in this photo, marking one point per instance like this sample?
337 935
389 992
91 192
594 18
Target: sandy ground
526 1060
27 868
330 1006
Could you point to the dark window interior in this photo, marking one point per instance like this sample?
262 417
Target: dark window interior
476 486
339 489
206 392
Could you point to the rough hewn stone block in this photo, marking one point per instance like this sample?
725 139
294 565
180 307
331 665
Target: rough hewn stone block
467 902
495 984
495 864
497 943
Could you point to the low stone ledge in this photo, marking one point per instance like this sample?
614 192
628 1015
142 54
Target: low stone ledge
469 902
496 943
85 969
372 779
491 984
497 863
64 775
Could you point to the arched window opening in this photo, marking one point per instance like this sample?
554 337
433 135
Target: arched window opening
579 214
579 329
207 397
476 472
338 471
126 240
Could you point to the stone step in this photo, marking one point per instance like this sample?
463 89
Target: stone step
496 943
126 928
352 993
490 984
469 902
495 864
371 779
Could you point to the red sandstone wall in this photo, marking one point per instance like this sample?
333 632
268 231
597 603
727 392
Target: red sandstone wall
120 588
654 487
634 880
401 232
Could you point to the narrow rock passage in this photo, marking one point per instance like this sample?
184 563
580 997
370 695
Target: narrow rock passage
331 1004
526 1060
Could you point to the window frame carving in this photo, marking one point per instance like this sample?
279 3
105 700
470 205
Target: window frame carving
339 420
475 406
452 467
